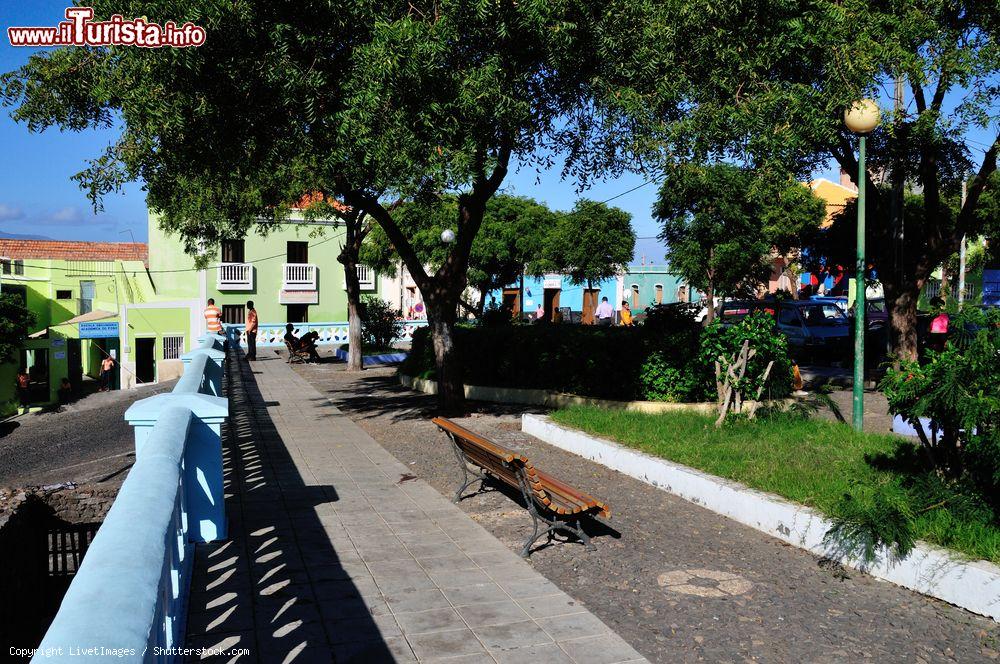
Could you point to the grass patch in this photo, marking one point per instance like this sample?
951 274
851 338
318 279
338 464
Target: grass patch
874 487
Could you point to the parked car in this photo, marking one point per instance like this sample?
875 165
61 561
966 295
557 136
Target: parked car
876 314
815 330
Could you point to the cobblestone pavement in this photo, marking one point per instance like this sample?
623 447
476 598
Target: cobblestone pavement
85 441
336 553
679 583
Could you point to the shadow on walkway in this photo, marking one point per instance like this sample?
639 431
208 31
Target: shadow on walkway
277 590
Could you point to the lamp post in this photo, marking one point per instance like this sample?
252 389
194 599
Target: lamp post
861 118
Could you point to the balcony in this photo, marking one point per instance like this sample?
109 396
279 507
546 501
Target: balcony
299 277
234 277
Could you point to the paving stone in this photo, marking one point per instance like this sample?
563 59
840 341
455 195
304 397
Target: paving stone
544 653
574 625
492 613
439 644
431 620
552 605
604 649
511 635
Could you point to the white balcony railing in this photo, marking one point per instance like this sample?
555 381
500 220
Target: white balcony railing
299 276
235 276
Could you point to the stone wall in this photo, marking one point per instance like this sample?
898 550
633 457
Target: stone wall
44 533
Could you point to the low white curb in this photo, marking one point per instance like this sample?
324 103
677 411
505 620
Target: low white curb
972 585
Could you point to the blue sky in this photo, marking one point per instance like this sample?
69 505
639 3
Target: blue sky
37 195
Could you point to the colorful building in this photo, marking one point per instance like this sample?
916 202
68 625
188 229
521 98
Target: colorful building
642 286
74 290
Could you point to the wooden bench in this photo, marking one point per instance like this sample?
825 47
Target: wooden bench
296 356
548 500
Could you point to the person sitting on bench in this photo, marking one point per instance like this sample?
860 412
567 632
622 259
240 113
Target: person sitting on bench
307 343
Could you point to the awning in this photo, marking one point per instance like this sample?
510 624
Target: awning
96 314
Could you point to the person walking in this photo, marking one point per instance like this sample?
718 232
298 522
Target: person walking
626 314
605 313
213 317
23 385
251 332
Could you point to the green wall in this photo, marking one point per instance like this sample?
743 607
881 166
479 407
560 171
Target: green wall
173 272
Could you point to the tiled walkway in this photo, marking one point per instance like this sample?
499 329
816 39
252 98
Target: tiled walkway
338 554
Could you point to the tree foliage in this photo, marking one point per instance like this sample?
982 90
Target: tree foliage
765 84
510 238
15 323
374 103
721 223
594 241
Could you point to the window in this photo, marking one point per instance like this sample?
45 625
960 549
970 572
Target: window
635 296
298 252
297 313
173 346
232 314
788 316
659 293
5 265
87 292
19 268
232 251
64 295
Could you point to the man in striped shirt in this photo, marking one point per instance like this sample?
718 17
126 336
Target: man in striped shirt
213 318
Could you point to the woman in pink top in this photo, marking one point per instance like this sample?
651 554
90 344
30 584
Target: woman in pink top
939 326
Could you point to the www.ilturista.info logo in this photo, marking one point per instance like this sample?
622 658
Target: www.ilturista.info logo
79 29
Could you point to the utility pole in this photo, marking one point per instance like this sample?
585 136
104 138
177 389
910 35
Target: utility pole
961 254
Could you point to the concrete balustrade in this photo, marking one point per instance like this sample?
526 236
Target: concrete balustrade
128 600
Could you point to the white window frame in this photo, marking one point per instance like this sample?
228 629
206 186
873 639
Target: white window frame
166 346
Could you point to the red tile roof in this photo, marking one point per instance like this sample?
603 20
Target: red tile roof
318 197
73 251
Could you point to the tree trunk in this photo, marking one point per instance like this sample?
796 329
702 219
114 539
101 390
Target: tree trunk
901 304
356 232
710 296
451 390
355 355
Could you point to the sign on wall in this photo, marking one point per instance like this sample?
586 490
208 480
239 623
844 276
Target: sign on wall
101 330
552 283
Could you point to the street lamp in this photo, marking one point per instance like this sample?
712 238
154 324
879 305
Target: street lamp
447 236
861 117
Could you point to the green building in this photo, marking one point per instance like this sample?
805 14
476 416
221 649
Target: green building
74 290
292 274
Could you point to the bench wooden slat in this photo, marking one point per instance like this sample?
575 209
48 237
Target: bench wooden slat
551 492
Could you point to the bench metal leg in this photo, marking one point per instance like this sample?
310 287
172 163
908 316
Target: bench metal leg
570 524
466 472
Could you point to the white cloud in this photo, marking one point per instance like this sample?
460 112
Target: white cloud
10 213
66 215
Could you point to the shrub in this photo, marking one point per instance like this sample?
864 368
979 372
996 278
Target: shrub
759 329
958 390
660 380
380 323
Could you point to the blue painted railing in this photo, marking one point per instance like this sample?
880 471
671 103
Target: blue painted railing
128 600
272 334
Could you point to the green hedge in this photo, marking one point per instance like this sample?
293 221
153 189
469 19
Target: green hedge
668 358
601 362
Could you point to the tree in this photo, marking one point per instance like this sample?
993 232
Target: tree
767 83
372 103
722 222
511 236
592 242
15 322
